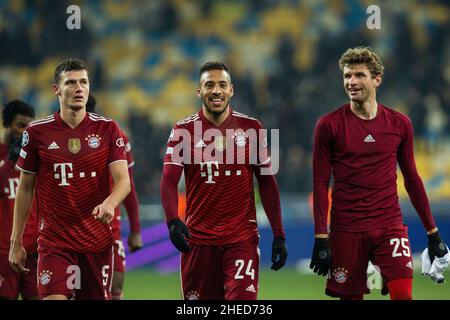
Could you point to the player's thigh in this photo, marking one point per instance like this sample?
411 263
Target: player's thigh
201 273
57 272
29 280
96 275
241 270
9 280
119 256
392 254
349 261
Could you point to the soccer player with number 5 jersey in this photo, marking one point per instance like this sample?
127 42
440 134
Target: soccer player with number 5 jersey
66 162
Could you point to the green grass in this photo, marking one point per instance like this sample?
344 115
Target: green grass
286 284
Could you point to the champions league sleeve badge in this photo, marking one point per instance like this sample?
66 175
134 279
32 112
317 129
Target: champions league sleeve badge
25 138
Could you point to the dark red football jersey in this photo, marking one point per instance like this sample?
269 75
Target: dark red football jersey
218 164
9 180
362 156
73 177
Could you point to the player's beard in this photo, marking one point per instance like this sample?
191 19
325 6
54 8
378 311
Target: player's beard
216 112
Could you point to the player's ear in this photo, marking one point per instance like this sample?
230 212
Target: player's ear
56 89
198 91
378 80
231 90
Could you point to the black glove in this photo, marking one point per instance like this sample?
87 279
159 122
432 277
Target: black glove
14 147
436 247
321 257
279 249
178 233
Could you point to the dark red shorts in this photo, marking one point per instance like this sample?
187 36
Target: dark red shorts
119 256
13 283
388 249
80 275
226 272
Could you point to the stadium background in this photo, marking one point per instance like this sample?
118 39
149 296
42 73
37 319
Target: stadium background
143 58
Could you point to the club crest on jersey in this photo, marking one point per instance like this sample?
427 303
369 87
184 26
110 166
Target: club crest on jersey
340 275
74 145
45 277
193 295
240 138
220 143
25 138
93 140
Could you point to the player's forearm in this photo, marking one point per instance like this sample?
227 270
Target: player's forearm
120 190
131 204
419 200
169 190
270 198
24 199
320 205
169 198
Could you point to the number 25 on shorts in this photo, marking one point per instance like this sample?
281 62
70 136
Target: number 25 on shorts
396 243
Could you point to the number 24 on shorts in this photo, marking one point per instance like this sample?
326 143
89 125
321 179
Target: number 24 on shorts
240 263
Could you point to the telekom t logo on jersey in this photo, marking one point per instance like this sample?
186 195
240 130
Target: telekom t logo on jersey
10 190
64 172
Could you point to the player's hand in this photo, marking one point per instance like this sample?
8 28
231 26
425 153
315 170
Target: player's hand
134 241
279 249
18 258
321 257
178 232
436 247
104 213
14 147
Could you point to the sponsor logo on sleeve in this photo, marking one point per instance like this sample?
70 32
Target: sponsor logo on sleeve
120 142
23 154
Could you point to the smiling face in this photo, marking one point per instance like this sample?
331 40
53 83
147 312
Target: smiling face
215 90
73 89
359 84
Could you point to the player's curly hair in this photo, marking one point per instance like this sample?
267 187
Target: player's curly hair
360 55
70 64
213 65
13 108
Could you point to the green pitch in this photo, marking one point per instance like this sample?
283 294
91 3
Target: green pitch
286 284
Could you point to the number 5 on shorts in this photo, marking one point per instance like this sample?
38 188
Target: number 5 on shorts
396 243
105 274
240 263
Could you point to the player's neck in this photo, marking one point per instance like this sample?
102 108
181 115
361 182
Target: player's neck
366 110
217 120
72 117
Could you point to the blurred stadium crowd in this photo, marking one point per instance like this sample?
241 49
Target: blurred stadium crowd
144 56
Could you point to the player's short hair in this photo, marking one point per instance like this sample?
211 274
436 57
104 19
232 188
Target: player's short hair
91 103
363 55
13 108
70 64
213 65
